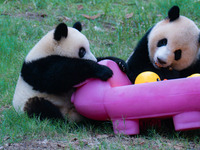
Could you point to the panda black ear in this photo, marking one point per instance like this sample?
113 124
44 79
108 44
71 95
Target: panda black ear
78 26
60 31
173 13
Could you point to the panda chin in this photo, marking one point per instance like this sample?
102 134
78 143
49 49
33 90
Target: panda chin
170 68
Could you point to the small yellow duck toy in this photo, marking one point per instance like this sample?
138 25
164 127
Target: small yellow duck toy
194 75
146 77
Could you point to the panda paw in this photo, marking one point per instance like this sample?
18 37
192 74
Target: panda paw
31 106
122 65
43 109
104 73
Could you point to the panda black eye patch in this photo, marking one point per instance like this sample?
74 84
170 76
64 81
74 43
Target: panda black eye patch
82 52
177 54
162 42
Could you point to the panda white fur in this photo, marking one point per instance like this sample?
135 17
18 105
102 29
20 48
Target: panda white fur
170 48
60 60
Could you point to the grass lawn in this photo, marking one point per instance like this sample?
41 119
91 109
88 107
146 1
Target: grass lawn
114 30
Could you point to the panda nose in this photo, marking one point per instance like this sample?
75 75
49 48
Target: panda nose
162 62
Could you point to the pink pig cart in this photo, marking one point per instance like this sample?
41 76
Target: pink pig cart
125 104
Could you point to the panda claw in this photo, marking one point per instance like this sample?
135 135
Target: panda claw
123 67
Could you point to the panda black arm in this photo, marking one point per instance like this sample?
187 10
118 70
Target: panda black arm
121 63
57 74
139 60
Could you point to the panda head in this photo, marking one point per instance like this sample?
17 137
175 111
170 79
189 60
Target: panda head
174 42
63 41
70 42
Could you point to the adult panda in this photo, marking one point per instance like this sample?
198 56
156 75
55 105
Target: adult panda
170 48
60 60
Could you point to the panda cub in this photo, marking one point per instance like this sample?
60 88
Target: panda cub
170 48
60 60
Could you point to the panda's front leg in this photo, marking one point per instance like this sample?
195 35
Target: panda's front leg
121 63
57 74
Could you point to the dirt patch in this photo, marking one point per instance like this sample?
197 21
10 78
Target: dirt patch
101 141
28 15
2 108
39 145
48 144
31 15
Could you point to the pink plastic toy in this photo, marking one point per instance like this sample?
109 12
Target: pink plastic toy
125 104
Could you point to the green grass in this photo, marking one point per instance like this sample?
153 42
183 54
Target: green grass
21 26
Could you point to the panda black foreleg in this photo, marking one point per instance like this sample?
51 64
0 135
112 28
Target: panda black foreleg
43 109
57 74
121 63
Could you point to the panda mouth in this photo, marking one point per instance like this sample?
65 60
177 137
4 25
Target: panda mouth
160 66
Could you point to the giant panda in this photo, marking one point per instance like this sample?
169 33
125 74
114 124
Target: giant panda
59 61
170 48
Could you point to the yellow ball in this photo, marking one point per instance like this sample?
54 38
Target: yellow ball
194 75
146 77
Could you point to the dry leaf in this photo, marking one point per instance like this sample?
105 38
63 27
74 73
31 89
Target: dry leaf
91 17
66 18
80 7
129 15
63 18
30 14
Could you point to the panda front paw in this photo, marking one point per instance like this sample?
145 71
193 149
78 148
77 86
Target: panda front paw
122 65
104 73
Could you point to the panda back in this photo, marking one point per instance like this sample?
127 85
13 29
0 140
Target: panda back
44 48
